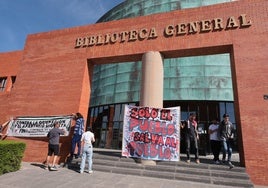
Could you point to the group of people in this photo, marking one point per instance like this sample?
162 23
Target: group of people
221 135
81 139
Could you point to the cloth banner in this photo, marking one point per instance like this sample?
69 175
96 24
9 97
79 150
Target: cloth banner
151 133
37 126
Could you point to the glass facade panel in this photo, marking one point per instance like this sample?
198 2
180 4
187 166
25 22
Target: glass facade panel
200 84
116 84
191 78
198 78
130 8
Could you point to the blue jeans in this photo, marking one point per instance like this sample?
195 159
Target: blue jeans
227 148
87 153
76 140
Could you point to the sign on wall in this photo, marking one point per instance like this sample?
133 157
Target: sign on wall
172 30
37 126
151 133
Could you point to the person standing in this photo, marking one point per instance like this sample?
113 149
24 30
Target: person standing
78 131
226 132
87 151
215 142
191 137
53 146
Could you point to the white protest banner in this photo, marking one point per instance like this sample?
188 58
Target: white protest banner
151 133
37 126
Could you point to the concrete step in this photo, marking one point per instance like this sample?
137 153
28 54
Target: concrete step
204 172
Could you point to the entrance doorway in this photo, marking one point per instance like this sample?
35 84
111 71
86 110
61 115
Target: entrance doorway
107 121
107 124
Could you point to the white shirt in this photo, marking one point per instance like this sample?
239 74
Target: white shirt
87 138
214 135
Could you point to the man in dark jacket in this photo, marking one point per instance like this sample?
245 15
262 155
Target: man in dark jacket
191 136
226 134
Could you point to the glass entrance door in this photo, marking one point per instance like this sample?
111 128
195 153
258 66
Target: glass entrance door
107 121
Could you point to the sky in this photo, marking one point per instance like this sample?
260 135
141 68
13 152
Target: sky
18 18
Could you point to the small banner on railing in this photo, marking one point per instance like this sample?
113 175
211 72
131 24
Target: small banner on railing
151 133
37 126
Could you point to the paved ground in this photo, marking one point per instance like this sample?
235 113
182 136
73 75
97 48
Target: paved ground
32 175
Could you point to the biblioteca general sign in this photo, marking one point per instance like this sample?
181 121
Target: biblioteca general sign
180 29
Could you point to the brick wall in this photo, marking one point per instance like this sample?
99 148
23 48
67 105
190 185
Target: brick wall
54 76
9 66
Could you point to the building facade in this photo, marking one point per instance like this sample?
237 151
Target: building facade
200 84
210 60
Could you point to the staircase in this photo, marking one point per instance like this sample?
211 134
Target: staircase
205 172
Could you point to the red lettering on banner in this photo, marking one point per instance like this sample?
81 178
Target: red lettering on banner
167 153
170 129
144 113
139 149
170 142
161 128
142 137
133 123
136 136
153 150
157 139
152 134
164 128
131 147
150 150
157 127
161 153
152 126
154 138
134 113
147 138
160 140
146 150
144 124
165 115
154 113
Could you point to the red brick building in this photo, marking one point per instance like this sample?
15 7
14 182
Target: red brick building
52 75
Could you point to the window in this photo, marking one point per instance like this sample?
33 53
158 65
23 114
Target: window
13 79
3 81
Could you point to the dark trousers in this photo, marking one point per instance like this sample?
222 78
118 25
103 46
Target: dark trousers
191 142
76 140
216 148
